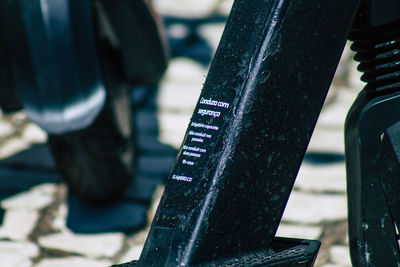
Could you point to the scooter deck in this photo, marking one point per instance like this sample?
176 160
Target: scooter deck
283 252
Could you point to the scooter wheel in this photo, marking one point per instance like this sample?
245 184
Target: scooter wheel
97 162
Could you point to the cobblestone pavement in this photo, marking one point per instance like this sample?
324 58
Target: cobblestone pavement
34 232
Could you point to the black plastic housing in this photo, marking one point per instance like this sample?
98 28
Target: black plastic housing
372 232
387 165
10 99
375 13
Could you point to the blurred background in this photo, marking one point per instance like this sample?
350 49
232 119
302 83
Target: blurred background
42 225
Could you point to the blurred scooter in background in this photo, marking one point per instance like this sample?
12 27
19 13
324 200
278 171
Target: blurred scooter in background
70 65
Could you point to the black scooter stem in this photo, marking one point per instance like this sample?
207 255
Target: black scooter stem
249 131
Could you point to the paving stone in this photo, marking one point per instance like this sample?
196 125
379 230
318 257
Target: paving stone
18 117
184 71
322 178
347 96
299 231
188 96
173 127
23 248
34 134
225 6
181 95
348 67
59 222
6 129
72 262
185 8
90 245
14 260
175 30
17 254
12 146
355 81
184 78
156 201
327 140
332 265
212 33
35 199
329 132
334 115
315 208
132 254
18 224
340 255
